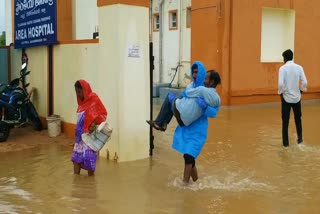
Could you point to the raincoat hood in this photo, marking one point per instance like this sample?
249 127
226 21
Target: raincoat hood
201 74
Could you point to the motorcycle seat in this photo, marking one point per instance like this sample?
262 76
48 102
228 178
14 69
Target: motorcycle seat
4 98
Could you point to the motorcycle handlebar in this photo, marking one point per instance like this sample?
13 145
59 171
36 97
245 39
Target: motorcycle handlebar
25 74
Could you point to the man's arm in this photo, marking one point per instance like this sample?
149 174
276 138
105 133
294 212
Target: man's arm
190 86
281 81
208 94
304 81
211 111
194 92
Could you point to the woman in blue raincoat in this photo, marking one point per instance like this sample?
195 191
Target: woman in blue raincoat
189 140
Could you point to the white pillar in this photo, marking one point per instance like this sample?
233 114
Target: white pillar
123 78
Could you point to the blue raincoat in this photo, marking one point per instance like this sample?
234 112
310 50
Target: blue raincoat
190 139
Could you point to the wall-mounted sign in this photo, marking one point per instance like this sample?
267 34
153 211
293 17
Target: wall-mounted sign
34 23
134 51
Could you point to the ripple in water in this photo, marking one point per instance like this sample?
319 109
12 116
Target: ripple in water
7 208
307 148
231 183
8 187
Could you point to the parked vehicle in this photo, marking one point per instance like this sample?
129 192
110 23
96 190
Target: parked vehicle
16 106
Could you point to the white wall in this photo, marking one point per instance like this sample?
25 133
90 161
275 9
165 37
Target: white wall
186 46
171 43
277 34
9 23
38 65
71 63
84 18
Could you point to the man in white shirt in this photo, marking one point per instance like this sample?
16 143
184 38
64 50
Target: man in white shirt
290 90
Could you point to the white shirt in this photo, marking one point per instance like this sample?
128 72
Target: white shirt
290 75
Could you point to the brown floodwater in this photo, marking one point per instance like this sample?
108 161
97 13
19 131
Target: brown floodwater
243 169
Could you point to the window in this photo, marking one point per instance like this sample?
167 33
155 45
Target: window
173 20
188 17
277 33
156 22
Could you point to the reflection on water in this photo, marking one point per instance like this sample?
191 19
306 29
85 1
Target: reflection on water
243 169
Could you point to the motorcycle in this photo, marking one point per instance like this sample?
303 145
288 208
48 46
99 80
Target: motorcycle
16 106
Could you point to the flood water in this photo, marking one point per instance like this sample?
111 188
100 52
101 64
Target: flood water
243 169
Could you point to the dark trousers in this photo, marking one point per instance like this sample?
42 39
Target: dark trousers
167 111
285 111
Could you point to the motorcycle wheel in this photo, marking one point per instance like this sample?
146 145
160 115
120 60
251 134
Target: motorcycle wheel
4 131
34 117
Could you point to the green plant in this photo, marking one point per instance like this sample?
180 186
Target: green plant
3 38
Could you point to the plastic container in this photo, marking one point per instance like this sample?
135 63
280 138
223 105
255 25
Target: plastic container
97 139
54 125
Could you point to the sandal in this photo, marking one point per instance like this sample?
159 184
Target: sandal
155 126
164 127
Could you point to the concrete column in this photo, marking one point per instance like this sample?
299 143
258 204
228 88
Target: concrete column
123 77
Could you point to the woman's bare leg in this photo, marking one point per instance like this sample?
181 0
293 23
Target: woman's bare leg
76 168
90 172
